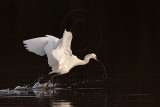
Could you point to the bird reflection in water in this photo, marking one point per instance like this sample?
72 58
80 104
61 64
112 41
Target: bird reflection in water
63 103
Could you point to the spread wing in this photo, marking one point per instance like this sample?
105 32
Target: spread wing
66 42
52 62
63 47
37 45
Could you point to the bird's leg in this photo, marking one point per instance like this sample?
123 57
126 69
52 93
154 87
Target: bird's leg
51 79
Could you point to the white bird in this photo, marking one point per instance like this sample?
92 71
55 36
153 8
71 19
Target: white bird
58 51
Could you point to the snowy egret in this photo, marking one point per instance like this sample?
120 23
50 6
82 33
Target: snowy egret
58 51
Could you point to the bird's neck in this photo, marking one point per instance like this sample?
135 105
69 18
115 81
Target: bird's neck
86 60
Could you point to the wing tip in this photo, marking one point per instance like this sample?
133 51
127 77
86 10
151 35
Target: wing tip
68 33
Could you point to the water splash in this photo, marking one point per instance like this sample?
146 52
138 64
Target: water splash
37 85
46 89
21 87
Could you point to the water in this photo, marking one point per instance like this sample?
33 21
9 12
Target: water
64 97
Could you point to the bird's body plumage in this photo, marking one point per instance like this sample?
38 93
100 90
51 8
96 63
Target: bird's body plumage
58 51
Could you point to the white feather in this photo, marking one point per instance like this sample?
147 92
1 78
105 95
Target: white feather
37 45
52 43
42 46
58 51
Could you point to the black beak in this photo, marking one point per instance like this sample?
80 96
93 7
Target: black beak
97 59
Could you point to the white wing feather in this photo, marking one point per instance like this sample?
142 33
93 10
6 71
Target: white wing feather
67 39
37 45
56 49
62 48
52 44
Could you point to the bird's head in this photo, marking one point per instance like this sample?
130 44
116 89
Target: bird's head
93 56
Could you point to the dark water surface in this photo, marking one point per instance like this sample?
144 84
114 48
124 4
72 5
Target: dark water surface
76 98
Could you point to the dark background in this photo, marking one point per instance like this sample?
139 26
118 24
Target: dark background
124 35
